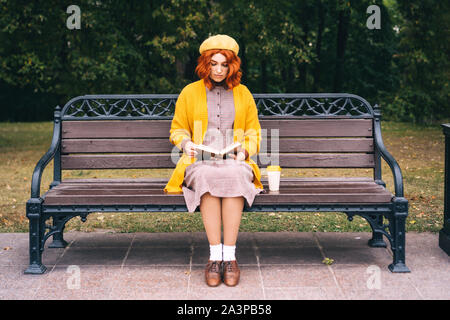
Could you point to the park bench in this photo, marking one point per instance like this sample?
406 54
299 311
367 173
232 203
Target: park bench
299 131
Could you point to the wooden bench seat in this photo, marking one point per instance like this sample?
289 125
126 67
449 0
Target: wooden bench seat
146 191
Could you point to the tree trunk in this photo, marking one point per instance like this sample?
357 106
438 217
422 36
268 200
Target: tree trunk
263 86
303 66
244 66
318 64
342 35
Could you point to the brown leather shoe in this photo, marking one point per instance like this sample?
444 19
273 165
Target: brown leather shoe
231 273
213 273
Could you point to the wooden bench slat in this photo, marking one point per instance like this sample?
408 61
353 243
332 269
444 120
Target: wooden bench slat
348 182
319 127
322 160
322 198
145 161
70 162
147 145
116 129
319 145
160 185
161 128
113 199
165 199
150 191
263 179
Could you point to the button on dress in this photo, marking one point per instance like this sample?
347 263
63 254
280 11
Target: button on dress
222 177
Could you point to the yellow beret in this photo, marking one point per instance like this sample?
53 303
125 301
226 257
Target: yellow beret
220 41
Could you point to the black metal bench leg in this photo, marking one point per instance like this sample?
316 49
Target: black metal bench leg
37 229
58 238
398 234
377 240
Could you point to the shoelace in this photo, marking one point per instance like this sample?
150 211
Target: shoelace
228 265
215 266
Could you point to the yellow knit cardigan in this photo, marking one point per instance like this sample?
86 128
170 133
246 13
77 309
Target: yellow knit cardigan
191 122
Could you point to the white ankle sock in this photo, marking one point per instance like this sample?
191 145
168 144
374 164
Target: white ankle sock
215 252
229 253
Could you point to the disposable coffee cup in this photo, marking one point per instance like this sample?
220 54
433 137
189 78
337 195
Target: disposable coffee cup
274 175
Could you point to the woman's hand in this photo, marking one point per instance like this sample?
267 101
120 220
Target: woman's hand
240 156
189 149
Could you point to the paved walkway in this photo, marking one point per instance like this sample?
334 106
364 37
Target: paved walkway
169 266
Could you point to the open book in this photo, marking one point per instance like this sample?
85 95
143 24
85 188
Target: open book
208 150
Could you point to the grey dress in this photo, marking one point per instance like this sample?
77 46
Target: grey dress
224 177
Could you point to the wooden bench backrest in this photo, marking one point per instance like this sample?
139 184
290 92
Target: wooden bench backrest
332 141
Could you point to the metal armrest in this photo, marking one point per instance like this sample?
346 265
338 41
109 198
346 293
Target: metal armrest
395 168
47 157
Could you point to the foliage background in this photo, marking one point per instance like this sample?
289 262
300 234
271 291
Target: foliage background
285 46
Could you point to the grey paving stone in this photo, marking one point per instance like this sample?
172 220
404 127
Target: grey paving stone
94 240
143 293
156 277
406 293
73 294
12 278
101 256
304 293
18 255
363 277
297 276
289 255
284 239
356 255
348 240
169 240
17 294
273 265
82 277
158 256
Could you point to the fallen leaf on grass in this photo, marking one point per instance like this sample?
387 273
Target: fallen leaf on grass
7 248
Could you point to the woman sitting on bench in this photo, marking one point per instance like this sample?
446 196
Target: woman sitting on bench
216 111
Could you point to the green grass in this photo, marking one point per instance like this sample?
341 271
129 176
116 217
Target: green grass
418 149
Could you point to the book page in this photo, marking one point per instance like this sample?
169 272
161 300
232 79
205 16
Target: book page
201 147
231 147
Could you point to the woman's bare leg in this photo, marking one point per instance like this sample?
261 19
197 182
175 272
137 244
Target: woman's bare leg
231 218
210 207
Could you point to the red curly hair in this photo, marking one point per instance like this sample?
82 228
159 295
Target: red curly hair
203 68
